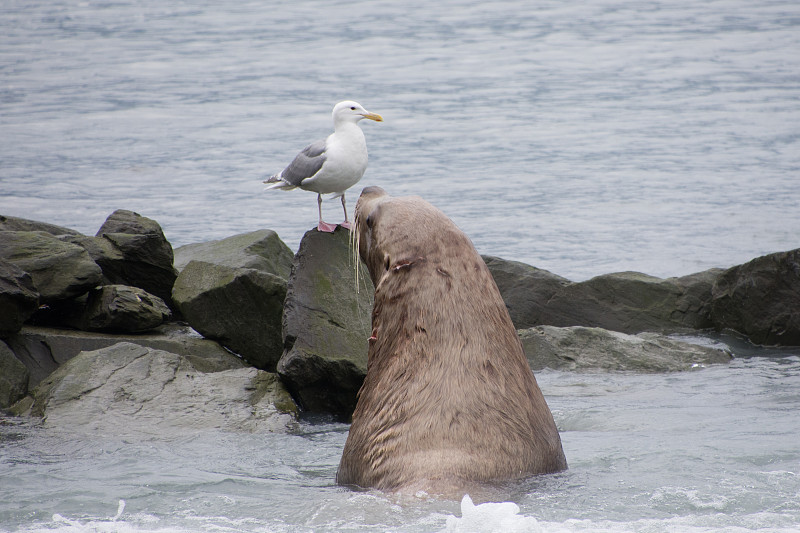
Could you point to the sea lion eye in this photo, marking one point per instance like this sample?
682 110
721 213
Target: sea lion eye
369 221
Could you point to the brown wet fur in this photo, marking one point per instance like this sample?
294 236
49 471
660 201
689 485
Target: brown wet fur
449 400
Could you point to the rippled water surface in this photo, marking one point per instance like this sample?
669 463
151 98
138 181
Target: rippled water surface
583 138
711 450
602 136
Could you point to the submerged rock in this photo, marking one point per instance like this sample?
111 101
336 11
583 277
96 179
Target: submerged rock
761 299
128 389
583 348
327 321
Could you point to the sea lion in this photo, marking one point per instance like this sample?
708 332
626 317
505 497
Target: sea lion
449 399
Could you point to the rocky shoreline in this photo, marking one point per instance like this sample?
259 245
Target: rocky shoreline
120 332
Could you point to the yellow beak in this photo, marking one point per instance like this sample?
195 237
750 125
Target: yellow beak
373 116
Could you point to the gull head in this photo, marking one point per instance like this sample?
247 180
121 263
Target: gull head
349 111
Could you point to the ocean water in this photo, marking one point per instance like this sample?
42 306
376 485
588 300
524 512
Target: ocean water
583 138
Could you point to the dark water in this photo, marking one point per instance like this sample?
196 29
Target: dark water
582 138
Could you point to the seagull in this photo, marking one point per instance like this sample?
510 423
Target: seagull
332 165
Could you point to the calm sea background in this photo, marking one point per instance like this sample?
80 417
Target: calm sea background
583 138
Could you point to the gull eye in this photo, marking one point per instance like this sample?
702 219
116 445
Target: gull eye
352 108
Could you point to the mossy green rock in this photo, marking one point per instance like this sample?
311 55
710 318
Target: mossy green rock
326 324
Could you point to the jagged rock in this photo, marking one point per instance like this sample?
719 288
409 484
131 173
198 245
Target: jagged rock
59 270
43 350
239 307
139 255
525 289
761 299
326 324
582 348
262 250
120 308
18 298
13 377
22 224
128 389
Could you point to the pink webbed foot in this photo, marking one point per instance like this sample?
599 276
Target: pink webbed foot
346 224
327 228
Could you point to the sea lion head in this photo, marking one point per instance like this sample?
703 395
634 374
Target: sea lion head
395 232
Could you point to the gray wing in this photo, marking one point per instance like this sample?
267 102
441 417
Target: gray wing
306 164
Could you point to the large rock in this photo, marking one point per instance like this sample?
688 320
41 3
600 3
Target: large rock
326 324
629 302
18 298
22 224
120 308
239 307
262 250
59 270
233 291
693 305
593 349
13 377
525 289
761 299
130 390
139 254
43 350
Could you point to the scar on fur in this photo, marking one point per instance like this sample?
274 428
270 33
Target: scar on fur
405 263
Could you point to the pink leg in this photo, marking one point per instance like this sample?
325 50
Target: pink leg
323 226
346 223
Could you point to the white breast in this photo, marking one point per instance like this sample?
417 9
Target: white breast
345 163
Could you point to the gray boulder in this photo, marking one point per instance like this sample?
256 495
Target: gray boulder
326 324
13 377
761 299
629 302
262 250
131 390
22 224
59 270
139 255
239 307
233 291
18 298
597 349
43 350
525 289
120 308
